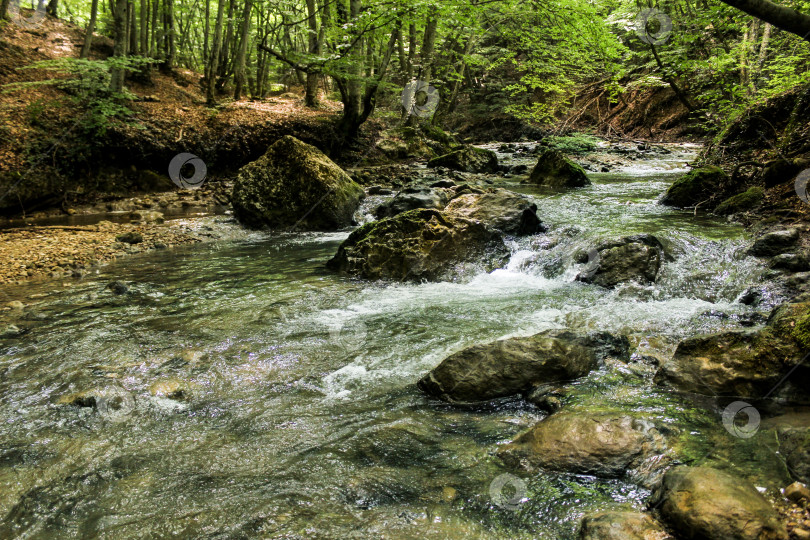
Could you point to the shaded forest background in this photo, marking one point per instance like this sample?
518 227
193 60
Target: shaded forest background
119 87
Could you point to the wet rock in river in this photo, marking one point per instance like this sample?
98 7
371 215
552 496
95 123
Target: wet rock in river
468 159
604 444
747 364
519 365
118 287
416 245
631 258
792 432
703 502
618 525
748 200
555 170
499 209
797 492
170 389
295 184
695 187
792 262
774 243
412 198
131 237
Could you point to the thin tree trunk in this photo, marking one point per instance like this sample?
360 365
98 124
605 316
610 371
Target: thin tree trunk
52 8
210 96
144 35
120 47
240 55
88 33
313 47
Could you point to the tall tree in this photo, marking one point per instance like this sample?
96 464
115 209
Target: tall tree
213 60
88 33
244 35
120 47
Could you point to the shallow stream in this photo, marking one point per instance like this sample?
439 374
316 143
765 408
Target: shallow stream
301 417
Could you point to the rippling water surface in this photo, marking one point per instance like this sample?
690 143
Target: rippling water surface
301 417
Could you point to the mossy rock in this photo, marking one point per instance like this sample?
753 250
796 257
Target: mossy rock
741 202
554 169
468 159
416 245
748 364
295 184
696 186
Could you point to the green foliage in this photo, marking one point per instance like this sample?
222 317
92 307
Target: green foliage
576 143
87 83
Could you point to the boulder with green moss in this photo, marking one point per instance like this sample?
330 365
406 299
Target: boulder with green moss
703 502
555 170
519 365
468 159
603 443
500 209
747 200
295 184
621 525
748 364
418 244
695 187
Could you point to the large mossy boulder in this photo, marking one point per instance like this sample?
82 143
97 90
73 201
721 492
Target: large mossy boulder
696 186
749 363
468 159
295 184
631 258
515 366
742 202
554 169
703 502
417 245
601 443
499 209
621 525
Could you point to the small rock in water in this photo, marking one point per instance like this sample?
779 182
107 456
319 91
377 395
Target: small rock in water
10 331
130 237
797 492
170 388
16 305
118 287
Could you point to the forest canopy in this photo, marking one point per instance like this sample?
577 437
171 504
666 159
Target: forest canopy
519 57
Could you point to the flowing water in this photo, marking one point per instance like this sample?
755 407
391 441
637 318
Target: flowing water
301 417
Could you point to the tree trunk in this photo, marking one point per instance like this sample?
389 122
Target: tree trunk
53 8
171 45
144 35
120 48
241 53
210 95
782 17
88 33
313 47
